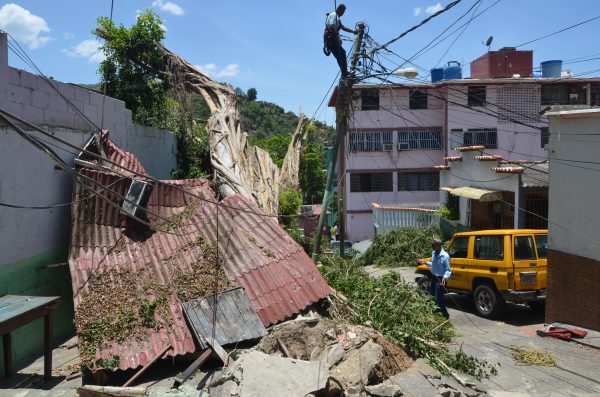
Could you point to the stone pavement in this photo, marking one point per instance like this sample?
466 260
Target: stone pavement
577 372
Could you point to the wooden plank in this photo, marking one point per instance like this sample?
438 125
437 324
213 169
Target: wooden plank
193 367
12 306
110 391
145 367
220 352
7 346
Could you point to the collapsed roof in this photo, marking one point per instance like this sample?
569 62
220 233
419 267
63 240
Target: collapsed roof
130 280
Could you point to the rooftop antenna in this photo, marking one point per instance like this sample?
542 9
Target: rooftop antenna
488 42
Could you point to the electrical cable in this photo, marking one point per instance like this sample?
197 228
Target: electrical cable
559 31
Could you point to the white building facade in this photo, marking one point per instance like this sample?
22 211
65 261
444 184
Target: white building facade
400 133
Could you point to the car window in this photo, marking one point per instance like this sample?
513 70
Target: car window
524 248
541 242
459 248
489 247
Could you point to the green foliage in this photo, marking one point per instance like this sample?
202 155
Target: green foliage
446 213
276 145
252 94
290 201
129 71
400 313
312 174
400 247
193 154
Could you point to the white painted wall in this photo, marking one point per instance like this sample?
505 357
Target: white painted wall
28 177
574 195
471 172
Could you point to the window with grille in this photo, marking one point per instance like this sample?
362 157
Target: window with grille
369 99
555 94
518 103
487 137
419 140
419 181
369 141
476 95
371 182
417 99
595 95
545 136
456 138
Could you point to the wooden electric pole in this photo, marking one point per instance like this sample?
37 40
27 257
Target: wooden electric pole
342 112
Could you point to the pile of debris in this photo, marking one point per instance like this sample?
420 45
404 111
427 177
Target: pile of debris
317 357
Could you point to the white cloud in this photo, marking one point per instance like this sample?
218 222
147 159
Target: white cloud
68 36
89 49
433 9
23 25
169 7
211 70
230 70
417 11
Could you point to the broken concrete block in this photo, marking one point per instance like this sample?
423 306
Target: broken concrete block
384 390
269 376
335 354
358 365
227 389
410 382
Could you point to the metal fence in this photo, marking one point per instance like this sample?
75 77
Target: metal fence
386 218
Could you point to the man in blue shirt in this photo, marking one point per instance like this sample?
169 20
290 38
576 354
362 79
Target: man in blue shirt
333 41
440 272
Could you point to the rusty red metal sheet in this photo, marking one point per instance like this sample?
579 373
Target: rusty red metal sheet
277 276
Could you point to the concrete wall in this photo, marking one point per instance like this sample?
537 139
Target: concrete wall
471 172
32 239
574 195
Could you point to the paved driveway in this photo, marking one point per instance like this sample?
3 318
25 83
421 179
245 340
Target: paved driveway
577 372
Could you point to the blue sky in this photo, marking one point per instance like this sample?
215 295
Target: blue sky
275 45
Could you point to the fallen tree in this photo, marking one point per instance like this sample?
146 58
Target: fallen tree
238 166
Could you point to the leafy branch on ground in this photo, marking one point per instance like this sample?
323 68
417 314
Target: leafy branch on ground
400 313
400 247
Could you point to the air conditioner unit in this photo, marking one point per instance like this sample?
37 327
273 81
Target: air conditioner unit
403 146
138 197
388 147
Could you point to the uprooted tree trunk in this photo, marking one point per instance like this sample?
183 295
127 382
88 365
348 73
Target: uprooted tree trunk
290 168
239 167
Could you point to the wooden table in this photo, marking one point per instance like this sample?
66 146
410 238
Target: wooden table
16 311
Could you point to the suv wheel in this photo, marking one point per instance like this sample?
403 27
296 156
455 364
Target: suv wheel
488 302
423 283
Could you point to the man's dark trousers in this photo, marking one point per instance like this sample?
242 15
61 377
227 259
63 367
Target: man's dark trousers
437 290
340 55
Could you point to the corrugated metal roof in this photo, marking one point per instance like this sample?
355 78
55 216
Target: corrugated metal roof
278 277
476 194
535 175
233 317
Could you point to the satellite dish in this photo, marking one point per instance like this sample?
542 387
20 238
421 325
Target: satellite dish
488 43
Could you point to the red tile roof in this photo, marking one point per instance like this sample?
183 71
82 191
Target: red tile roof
453 158
508 170
488 158
278 277
441 167
470 148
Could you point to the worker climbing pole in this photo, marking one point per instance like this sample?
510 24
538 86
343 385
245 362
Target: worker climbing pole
332 42
342 114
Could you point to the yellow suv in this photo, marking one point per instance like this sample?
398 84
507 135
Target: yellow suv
496 266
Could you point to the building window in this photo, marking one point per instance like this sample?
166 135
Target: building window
417 99
518 103
419 140
419 182
369 99
371 182
595 95
487 137
370 141
476 95
555 94
545 136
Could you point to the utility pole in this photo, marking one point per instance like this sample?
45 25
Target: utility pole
342 112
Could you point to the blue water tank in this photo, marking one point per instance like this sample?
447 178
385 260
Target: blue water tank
453 71
551 68
437 74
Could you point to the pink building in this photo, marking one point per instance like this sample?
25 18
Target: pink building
399 133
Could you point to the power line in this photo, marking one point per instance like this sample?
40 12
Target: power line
423 22
559 31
